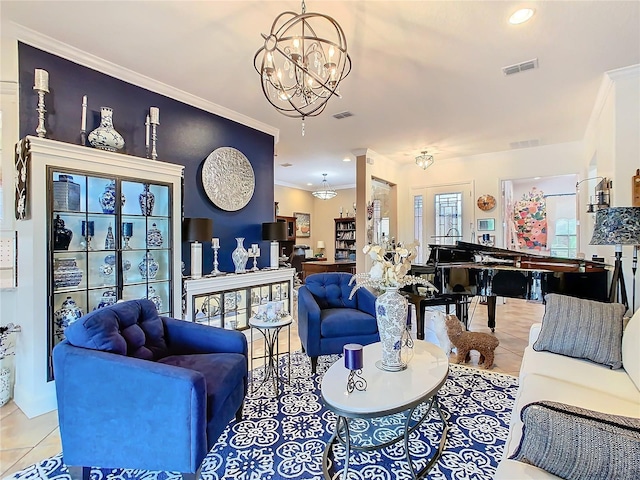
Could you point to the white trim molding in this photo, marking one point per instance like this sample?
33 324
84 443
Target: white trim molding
51 45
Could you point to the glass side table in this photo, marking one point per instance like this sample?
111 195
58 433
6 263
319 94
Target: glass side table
271 331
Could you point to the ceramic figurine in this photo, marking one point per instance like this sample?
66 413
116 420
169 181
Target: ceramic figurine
61 236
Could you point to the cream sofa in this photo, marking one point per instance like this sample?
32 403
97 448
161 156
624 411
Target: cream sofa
548 376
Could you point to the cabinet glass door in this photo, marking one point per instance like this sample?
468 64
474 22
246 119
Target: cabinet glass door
110 240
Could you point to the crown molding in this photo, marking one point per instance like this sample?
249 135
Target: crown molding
608 81
624 72
51 45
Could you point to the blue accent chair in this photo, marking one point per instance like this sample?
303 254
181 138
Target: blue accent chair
328 320
141 391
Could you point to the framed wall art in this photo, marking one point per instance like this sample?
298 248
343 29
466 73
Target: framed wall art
303 224
486 224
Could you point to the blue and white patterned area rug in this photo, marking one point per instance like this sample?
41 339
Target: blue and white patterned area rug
285 439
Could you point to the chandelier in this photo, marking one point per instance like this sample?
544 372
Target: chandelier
302 62
325 192
424 161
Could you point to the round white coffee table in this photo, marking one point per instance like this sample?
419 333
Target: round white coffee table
387 393
271 330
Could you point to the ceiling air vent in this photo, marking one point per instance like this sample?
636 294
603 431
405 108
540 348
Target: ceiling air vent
286 164
525 143
341 115
520 67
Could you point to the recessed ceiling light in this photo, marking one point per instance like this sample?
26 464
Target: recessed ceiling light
521 16
346 159
309 184
536 178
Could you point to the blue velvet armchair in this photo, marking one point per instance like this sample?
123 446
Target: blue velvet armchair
328 319
137 390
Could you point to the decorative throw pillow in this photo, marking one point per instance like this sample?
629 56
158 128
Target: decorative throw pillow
582 329
576 443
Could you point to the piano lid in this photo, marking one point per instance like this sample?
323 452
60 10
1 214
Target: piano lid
474 255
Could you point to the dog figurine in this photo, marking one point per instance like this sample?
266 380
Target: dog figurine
465 341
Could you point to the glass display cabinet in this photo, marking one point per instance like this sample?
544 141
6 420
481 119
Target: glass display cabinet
96 227
105 250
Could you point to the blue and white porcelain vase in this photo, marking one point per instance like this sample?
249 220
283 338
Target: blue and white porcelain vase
107 198
154 237
240 256
110 241
155 298
108 298
148 267
147 200
68 313
391 316
105 136
66 273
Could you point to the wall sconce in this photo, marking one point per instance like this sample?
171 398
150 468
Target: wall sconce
602 196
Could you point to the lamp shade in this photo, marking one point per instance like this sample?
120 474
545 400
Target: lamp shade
320 244
617 226
197 229
274 231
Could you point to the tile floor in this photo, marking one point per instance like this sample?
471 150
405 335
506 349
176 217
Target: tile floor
24 441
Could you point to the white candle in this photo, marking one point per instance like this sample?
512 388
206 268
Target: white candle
146 132
215 242
41 80
155 115
83 125
254 248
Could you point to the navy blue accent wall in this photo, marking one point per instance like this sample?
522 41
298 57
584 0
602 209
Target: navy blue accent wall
186 136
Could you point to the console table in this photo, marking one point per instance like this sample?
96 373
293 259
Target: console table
230 299
308 268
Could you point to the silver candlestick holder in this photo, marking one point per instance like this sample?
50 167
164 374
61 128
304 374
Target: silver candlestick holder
255 253
41 85
154 119
215 270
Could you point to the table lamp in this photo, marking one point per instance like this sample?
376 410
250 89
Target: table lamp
274 231
320 246
196 230
618 226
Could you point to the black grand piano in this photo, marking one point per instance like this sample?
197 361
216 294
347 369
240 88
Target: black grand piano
467 269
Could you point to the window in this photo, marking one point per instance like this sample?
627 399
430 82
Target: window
417 226
565 241
448 209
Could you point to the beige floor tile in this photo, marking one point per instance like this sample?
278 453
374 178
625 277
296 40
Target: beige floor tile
9 457
7 409
48 447
18 431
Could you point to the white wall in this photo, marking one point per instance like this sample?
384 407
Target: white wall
612 149
486 172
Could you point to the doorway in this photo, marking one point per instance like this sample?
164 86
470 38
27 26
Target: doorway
540 215
443 215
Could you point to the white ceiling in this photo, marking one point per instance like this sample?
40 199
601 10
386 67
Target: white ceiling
425 75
